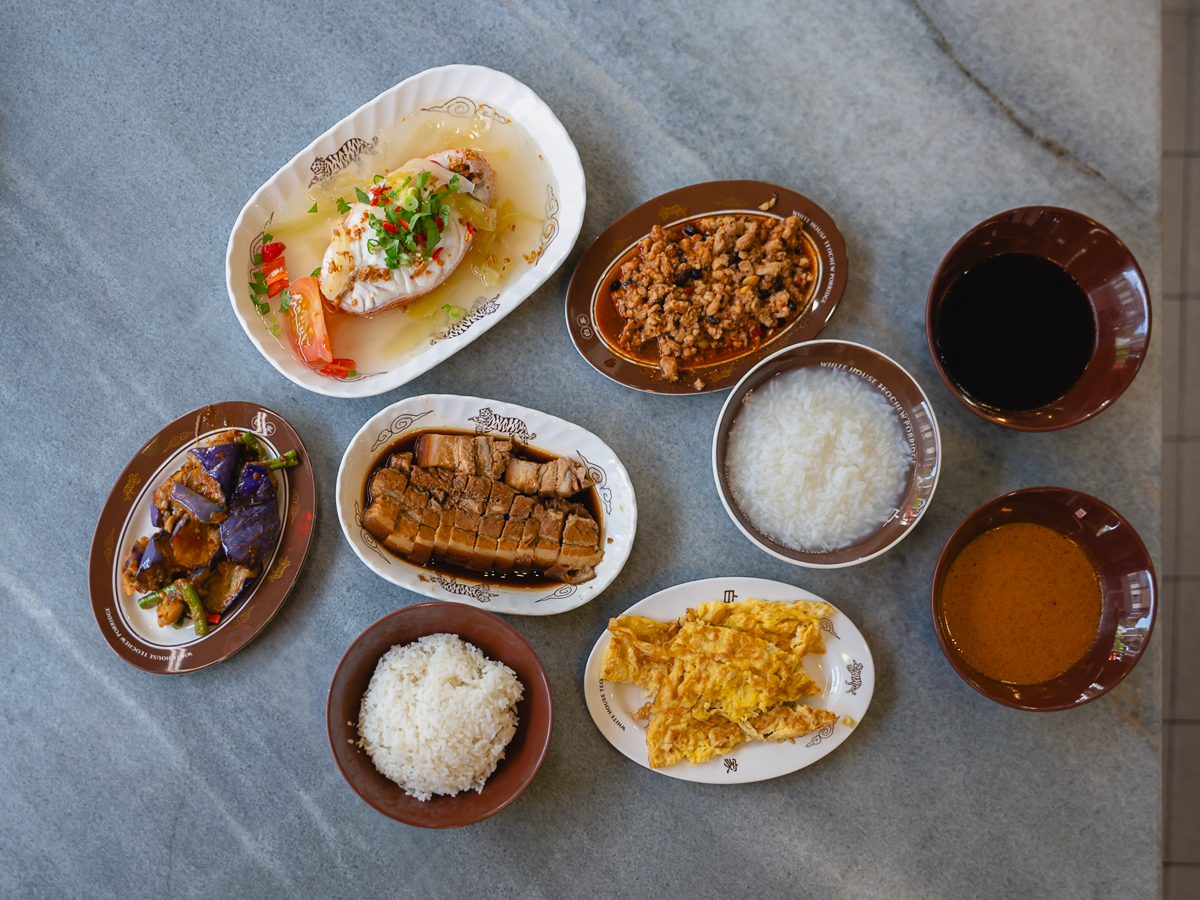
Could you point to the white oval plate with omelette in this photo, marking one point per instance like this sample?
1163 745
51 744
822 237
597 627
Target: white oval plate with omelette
845 672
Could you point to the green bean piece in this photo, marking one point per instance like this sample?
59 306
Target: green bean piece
287 461
199 616
178 623
251 441
151 600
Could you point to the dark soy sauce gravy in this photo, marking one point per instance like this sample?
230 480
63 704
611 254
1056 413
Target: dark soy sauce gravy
1015 332
531 580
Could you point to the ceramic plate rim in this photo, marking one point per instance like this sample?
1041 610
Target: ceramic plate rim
633 745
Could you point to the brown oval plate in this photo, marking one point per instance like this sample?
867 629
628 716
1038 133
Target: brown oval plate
522 757
592 317
133 632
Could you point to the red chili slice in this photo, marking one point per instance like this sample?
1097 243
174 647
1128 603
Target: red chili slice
390 228
440 223
338 368
271 251
436 254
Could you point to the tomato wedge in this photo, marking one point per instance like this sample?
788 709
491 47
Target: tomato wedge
308 321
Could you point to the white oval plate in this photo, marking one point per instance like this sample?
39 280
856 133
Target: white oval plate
539 430
845 672
285 196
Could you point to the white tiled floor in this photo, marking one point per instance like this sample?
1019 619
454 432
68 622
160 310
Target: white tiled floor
1178 311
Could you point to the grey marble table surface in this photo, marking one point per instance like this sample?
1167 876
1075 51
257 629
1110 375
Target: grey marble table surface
130 137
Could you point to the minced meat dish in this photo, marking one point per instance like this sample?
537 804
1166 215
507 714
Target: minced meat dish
716 285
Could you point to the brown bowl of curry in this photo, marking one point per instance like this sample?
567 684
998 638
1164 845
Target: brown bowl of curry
1044 599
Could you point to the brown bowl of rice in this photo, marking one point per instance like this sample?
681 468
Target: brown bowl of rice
826 454
439 715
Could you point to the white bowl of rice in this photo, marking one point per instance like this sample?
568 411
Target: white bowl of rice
439 715
826 454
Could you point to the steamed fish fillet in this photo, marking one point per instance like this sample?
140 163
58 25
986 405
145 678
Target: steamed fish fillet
356 278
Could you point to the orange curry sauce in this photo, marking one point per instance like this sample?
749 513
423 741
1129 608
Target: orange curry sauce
1021 603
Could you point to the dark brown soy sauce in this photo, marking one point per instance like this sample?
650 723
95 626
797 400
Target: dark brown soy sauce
1015 332
531 580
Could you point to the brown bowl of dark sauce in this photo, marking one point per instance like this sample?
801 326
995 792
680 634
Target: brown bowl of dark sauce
1006 610
1038 318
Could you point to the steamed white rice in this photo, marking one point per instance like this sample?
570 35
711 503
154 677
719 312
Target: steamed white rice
437 715
817 458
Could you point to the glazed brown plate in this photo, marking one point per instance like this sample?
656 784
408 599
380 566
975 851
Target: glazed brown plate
522 757
1100 264
133 632
1127 585
594 323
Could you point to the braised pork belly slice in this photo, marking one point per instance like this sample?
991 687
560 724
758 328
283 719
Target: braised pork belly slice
487 555
506 546
387 490
528 544
557 478
500 499
465 500
462 453
462 538
435 451
423 547
522 507
550 528
401 462
441 535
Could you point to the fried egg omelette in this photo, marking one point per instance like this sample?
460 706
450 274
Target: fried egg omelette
720 674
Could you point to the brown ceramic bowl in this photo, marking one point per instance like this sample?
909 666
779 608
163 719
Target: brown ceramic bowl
920 428
1127 587
1100 264
522 758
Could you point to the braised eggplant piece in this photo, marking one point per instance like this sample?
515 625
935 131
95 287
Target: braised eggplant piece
201 508
220 462
249 534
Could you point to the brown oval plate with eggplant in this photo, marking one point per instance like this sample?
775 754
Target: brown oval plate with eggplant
202 538
687 292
